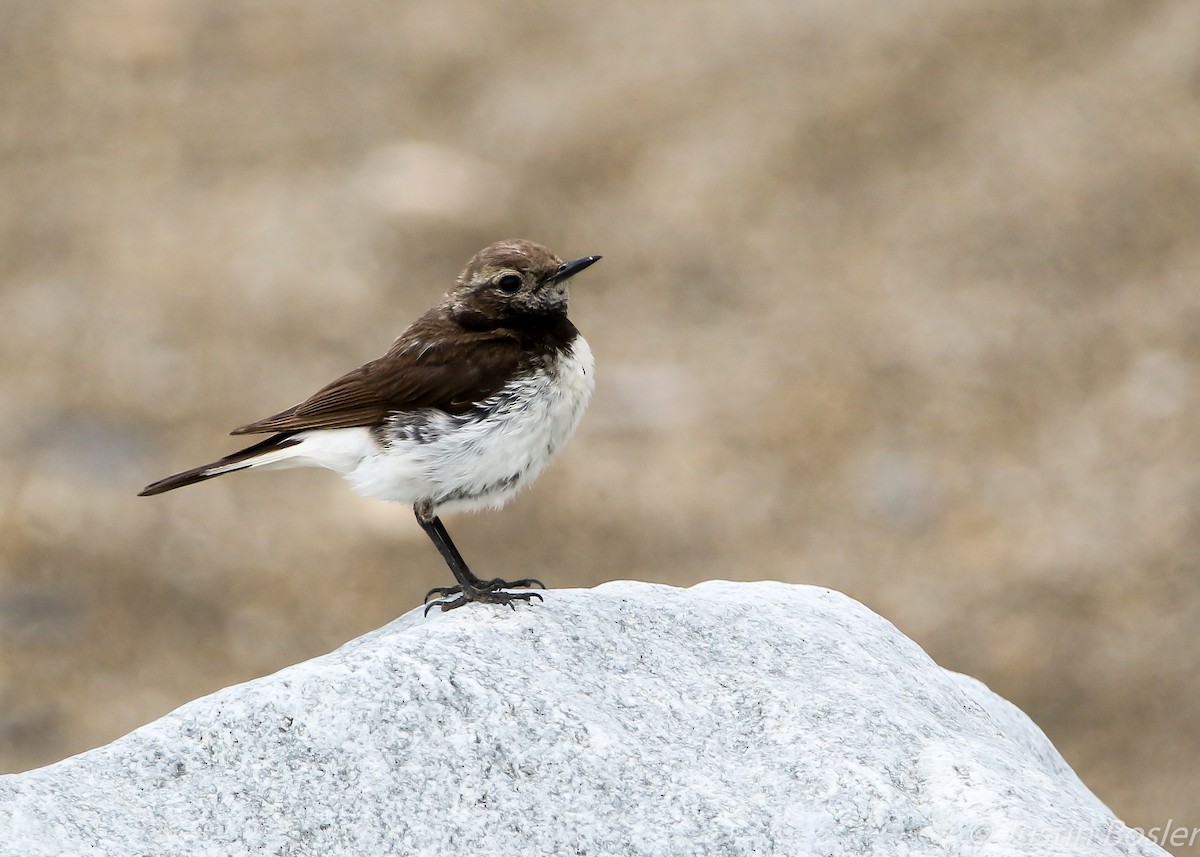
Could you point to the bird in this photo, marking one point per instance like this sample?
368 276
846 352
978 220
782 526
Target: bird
465 408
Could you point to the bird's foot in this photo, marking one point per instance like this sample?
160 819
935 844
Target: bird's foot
493 591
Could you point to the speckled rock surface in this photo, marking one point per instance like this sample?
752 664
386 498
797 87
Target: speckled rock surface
725 719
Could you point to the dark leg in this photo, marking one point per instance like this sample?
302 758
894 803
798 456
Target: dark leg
469 587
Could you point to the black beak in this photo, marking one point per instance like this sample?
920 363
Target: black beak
569 269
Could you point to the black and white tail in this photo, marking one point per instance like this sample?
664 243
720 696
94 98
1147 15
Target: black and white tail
269 451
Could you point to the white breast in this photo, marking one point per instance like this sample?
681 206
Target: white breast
475 460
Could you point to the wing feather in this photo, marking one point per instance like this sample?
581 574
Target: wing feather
450 373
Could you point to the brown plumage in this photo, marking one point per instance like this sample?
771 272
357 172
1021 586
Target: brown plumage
455 355
469 402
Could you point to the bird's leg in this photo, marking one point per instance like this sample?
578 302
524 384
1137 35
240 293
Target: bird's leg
469 587
488 585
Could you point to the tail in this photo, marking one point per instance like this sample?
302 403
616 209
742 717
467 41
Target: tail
264 452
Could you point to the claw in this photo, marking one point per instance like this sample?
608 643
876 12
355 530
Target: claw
524 583
485 593
441 592
497 583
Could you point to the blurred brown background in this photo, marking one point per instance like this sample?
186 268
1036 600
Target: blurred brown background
897 298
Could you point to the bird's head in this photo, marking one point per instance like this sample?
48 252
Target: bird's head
512 279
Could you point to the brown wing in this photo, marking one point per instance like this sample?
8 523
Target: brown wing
451 374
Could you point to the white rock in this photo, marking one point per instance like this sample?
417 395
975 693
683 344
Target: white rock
632 719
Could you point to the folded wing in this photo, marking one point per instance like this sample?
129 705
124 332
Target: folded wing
451 374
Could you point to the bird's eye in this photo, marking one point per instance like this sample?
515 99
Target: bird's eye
509 283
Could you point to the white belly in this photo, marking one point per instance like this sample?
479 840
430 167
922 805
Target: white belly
463 462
